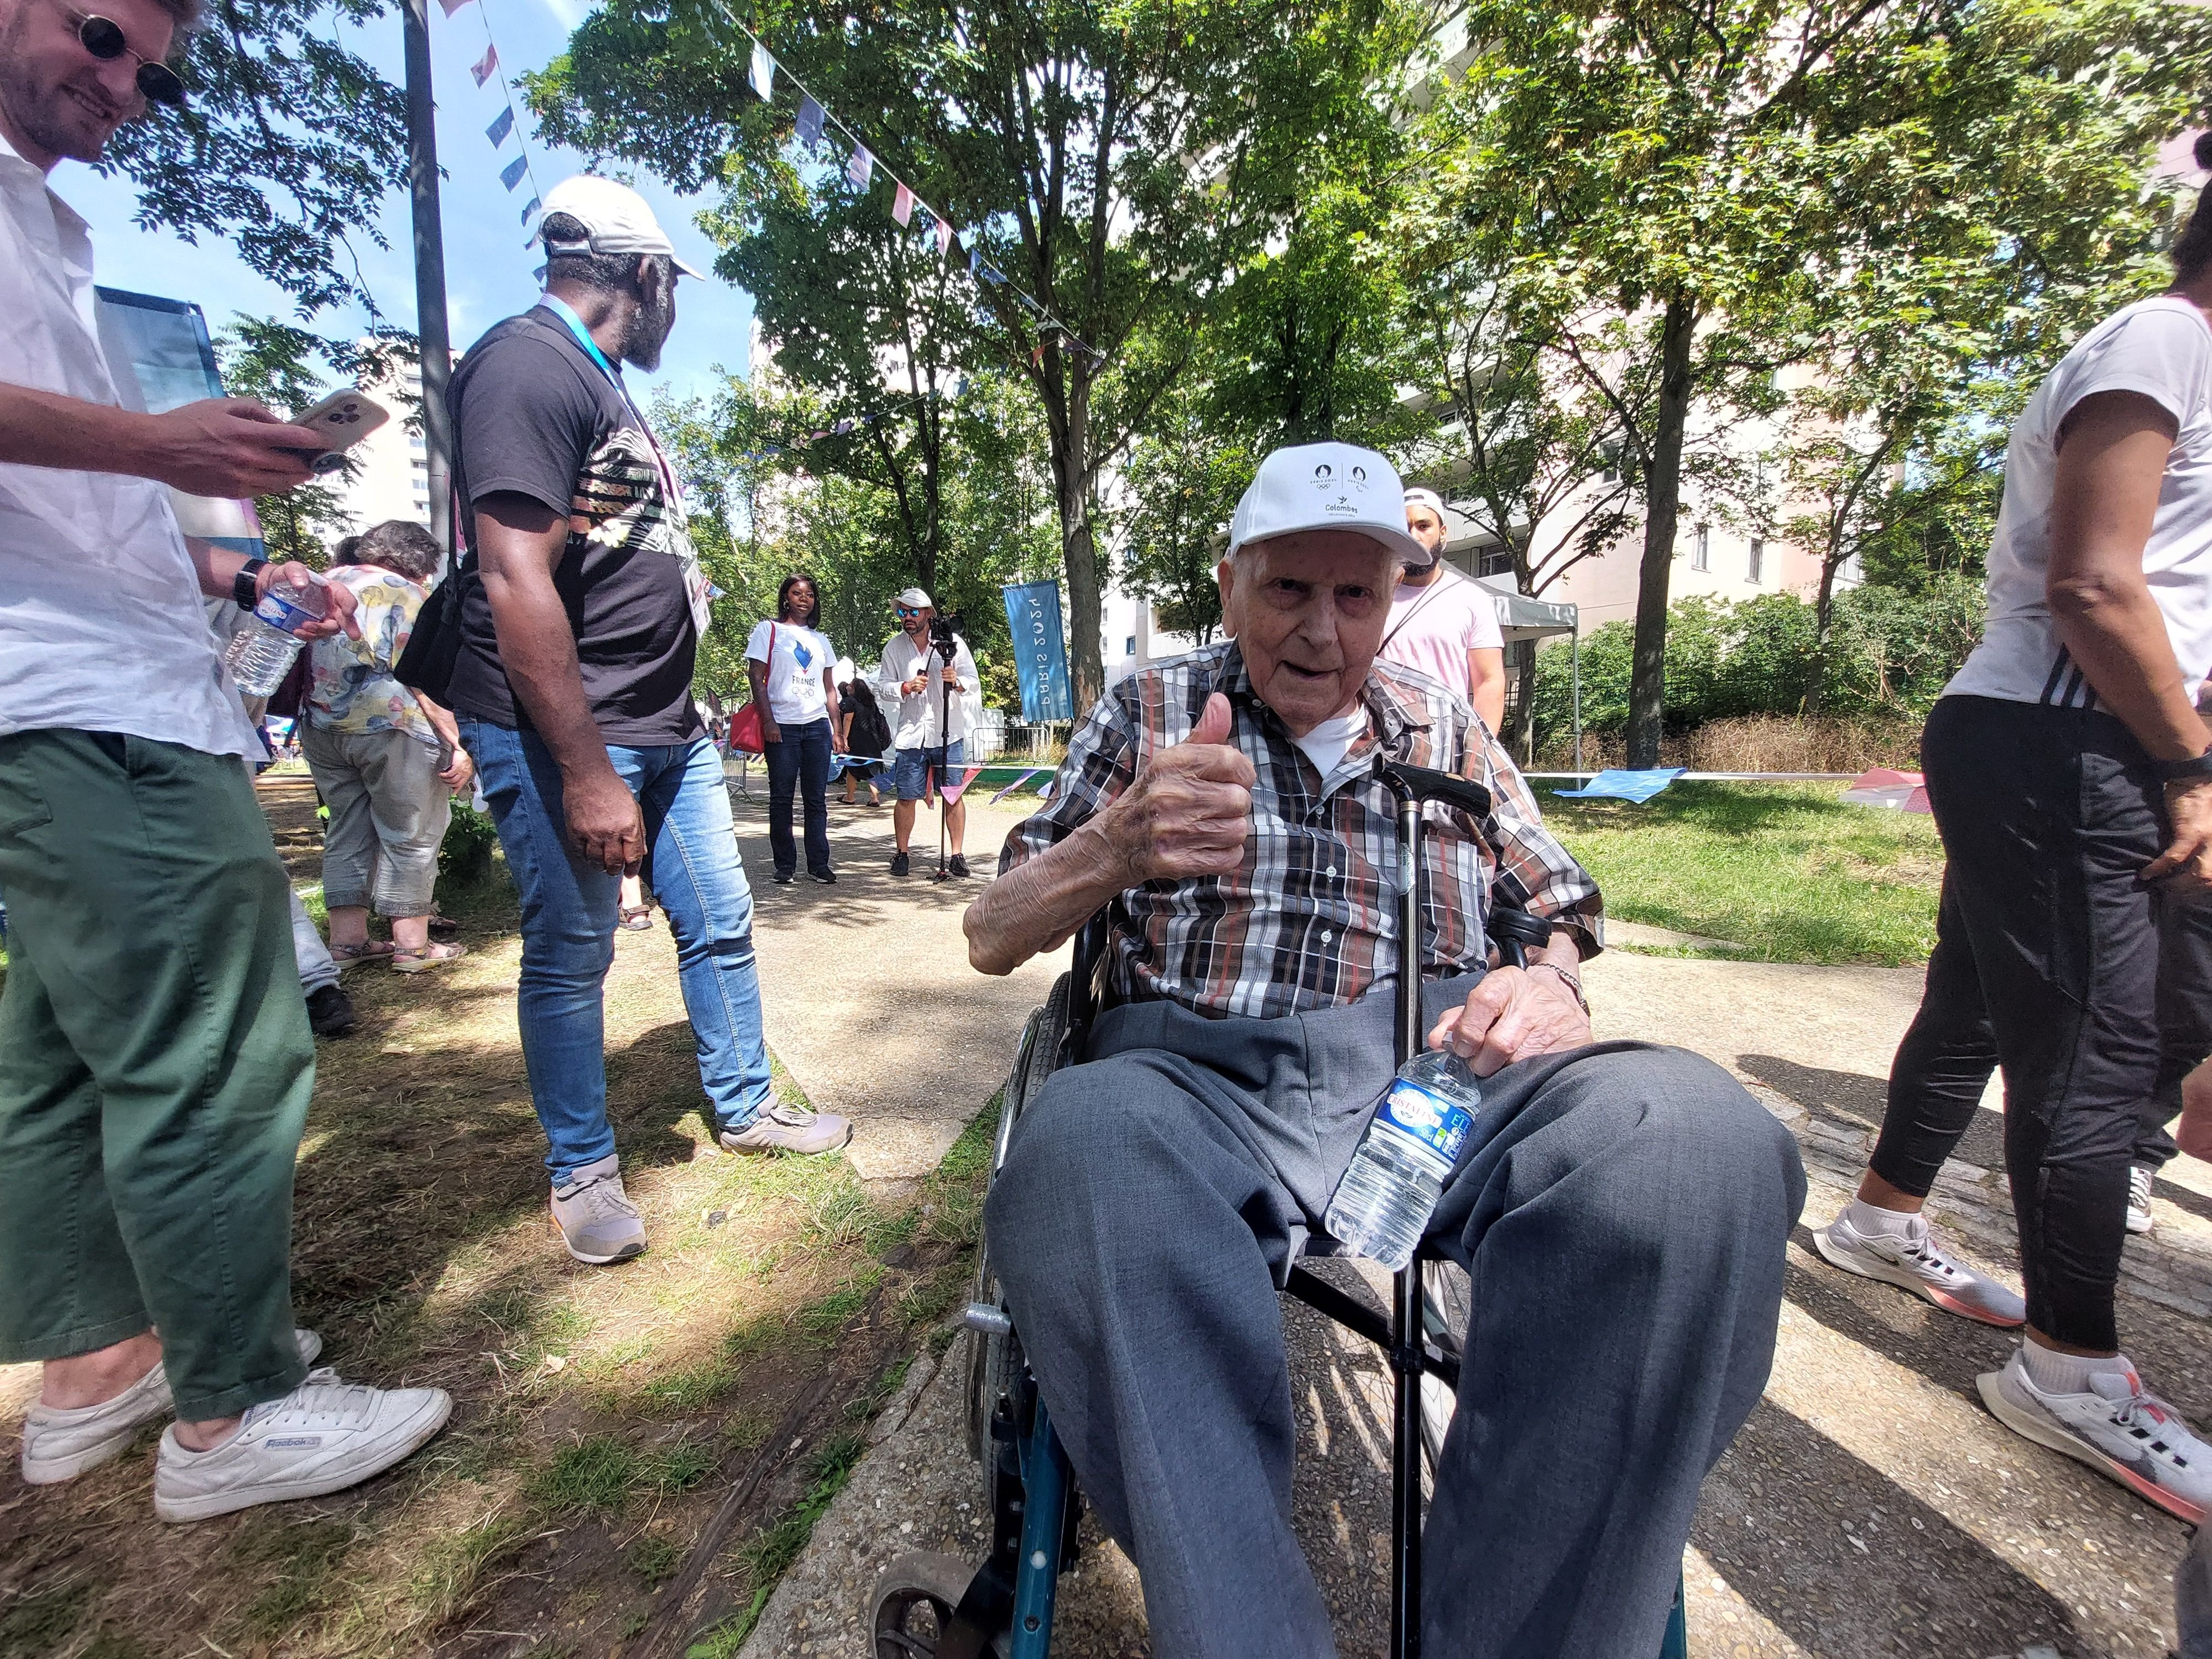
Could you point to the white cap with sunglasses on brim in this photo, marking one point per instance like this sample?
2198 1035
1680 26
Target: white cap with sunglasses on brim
913 599
1327 486
615 218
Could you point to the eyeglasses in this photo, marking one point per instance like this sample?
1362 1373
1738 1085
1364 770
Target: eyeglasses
104 39
906 610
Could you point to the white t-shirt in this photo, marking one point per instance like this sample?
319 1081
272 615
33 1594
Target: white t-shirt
795 694
1432 629
1328 743
2162 348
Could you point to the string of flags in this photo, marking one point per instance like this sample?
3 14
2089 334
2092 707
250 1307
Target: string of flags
861 166
503 125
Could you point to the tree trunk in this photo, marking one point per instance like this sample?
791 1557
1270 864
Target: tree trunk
1647 683
1824 613
1072 477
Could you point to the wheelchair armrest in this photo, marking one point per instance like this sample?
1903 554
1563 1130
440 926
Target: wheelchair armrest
1087 982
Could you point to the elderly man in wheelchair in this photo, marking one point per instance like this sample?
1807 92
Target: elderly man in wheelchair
1621 1208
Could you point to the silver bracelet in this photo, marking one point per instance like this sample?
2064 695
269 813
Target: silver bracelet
1574 986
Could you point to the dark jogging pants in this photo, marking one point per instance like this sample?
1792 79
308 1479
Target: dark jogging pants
2046 965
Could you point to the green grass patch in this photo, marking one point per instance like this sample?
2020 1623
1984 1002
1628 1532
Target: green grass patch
300 1561
1788 871
452 1566
654 1559
603 1472
767 1555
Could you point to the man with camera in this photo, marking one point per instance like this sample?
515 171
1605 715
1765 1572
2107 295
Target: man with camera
928 665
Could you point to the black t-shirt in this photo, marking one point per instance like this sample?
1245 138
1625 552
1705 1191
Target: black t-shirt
533 415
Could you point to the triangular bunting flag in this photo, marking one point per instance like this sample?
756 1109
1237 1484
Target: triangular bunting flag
483 66
510 174
501 124
810 122
953 788
902 206
452 6
861 167
528 214
944 236
991 273
975 258
762 75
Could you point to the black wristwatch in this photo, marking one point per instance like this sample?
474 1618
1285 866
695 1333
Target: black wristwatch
2186 771
244 586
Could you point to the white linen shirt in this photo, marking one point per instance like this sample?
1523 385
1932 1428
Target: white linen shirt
915 725
101 628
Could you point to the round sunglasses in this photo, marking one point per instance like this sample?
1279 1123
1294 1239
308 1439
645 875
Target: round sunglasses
104 39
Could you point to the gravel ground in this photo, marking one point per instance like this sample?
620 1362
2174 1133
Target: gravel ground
1871 1507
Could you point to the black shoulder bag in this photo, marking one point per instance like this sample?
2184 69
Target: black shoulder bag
434 645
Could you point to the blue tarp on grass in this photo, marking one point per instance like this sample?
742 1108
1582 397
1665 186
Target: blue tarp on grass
1616 785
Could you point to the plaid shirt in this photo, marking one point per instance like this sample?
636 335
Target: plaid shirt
1310 920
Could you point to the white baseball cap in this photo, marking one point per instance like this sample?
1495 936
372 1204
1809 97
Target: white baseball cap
914 599
615 218
1327 486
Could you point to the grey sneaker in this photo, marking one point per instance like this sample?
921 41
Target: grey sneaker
1914 1261
323 1437
2140 1176
789 1129
2118 1427
60 1445
594 1217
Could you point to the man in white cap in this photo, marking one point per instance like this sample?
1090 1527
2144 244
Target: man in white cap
580 619
928 741
1623 1208
1441 623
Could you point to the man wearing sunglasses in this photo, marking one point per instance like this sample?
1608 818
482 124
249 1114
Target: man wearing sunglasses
154 1056
932 723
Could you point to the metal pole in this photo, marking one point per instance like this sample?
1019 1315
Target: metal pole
431 328
1405 1322
1577 646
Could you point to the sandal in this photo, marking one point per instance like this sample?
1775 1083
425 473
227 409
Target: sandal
443 926
369 949
637 917
433 955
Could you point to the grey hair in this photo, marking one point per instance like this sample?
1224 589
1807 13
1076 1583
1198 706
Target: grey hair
398 546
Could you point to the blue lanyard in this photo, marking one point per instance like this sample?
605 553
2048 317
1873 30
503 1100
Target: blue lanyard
567 314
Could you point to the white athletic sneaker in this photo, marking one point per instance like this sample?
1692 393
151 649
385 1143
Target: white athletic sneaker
2119 1429
594 1215
2140 1176
60 1445
1915 1261
323 1437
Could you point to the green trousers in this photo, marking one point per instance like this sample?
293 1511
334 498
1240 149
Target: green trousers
155 1064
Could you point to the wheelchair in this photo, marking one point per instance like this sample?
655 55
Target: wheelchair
929 1606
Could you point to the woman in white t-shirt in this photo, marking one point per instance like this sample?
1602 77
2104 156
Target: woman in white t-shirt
793 671
2071 778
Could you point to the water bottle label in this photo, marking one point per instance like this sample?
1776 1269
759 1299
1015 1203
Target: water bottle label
278 609
1437 1126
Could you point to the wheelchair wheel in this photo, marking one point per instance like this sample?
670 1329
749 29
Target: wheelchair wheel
912 1604
1447 1299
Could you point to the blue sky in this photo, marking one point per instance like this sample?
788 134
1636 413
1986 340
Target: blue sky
488 268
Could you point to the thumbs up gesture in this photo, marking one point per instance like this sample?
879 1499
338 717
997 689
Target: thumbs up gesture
1190 809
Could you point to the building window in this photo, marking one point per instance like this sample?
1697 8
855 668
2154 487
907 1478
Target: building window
1758 560
1129 645
1701 550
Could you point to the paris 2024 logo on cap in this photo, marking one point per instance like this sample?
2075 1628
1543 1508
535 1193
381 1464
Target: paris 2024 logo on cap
1354 481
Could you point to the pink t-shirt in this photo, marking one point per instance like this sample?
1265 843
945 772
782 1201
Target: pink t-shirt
1432 629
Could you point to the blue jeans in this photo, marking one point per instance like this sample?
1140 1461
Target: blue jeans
568 931
800 763
911 767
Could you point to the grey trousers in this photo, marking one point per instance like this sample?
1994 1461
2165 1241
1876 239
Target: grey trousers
389 810
1622 1209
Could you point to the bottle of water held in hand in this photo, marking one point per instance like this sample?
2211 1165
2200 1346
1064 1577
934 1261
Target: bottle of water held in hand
1386 1197
260 653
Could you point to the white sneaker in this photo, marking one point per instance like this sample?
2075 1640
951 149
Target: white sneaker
594 1217
2119 1429
2140 1176
323 1437
1914 1261
60 1445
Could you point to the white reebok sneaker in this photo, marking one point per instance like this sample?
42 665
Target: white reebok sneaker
60 1445
1915 1261
2119 1429
325 1436
2140 1176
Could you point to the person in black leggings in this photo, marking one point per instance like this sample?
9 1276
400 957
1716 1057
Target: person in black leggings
2070 775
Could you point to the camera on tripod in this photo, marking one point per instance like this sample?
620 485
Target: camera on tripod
942 629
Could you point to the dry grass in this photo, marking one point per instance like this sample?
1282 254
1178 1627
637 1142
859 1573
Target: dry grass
1763 743
601 1414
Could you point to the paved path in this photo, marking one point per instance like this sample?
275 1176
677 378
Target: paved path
1871 1507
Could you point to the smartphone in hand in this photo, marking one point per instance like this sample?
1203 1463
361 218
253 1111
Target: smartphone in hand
343 419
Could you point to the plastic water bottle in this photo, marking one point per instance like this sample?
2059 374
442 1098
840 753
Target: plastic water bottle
1385 1200
260 653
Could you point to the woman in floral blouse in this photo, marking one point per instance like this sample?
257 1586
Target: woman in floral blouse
385 759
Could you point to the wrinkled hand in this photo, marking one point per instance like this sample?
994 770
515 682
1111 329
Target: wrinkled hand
340 613
460 773
228 447
1512 1014
2185 869
1189 811
605 823
2194 1132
